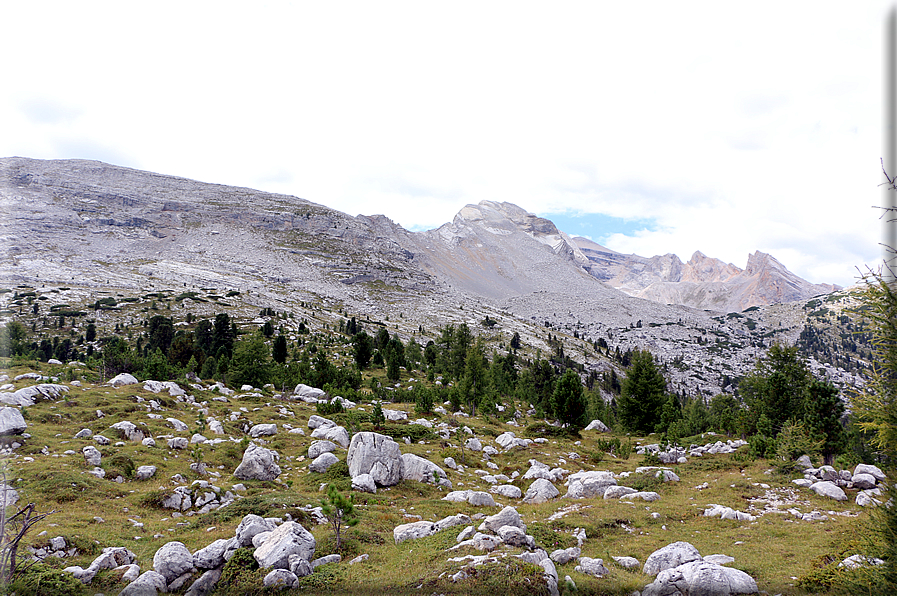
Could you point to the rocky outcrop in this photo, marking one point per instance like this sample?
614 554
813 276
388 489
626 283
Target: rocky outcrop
258 464
377 455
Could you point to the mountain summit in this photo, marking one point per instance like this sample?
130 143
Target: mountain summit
703 282
99 224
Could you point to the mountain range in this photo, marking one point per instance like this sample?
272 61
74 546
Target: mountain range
101 228
63 218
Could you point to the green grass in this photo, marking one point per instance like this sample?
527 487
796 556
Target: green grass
774 549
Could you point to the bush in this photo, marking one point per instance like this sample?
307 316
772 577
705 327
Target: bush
41 580
329 408
241 575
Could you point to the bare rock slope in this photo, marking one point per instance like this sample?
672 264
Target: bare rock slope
702 282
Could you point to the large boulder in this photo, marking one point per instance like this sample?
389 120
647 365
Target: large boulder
205 584
11 422
364 483
172 560
507 490
337 434
27 396
413 531
308 394
322 463
149 583
670 556
287 539
123 379
701 577
249 527
506 517
92 455
875 471
829 489
586 485
280 579
263 430
540 491
597 425
211 556
377 455
318 447
422 470
258 464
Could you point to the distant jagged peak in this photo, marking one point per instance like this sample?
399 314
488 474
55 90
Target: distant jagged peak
586 244
701 268
759 261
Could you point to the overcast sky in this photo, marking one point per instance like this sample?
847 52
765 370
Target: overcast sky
650 127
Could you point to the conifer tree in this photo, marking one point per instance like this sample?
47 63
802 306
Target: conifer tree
339 511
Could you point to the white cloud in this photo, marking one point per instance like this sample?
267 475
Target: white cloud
736 127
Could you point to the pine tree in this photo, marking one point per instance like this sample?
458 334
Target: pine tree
568 401
640 405
339 511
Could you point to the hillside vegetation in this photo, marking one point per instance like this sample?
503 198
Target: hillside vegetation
235 367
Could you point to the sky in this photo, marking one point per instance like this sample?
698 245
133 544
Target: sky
649 127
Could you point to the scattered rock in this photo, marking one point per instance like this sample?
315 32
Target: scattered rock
377 455
258 464
540 491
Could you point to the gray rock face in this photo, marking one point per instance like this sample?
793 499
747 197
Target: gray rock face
337 434
211 556
27 396
377 455
597 425
507 490
318 447
322 463
123 379
593 567
627 562
258 464
128 430
413 531
670 556
875 471
263 430
863 481
364 483
172 560
615 492
11 422
289 538
299 566
205 584
249 526
513 536
478 498
280 579
701 577
539 491
452 521
506 517
149 583
473 444
829 489
145 472
587 485
92 455
422 470
642 495
562 556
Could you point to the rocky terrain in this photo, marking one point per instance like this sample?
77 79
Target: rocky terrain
91 226
702 282
194 487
